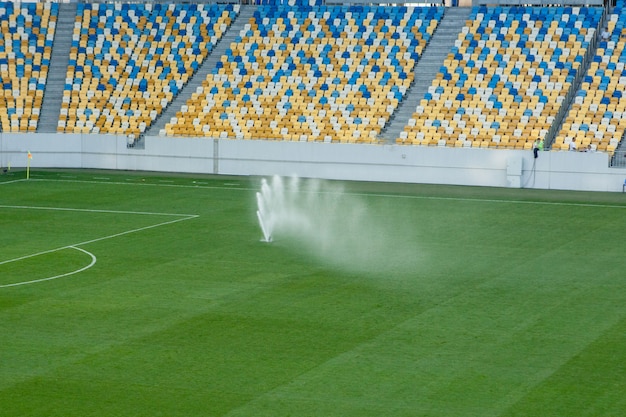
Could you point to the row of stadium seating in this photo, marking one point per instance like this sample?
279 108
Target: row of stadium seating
128 61
311 74
320 73
28 34
506 78
597 118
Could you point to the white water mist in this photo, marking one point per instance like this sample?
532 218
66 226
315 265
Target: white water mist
339 229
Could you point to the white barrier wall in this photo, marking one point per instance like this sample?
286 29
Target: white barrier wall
387 163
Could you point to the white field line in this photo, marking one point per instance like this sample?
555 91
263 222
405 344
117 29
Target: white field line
136 230
377 195
97 211
93 262
12 181
181 217
488 200
96 240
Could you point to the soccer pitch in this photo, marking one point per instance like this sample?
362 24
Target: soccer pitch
144 294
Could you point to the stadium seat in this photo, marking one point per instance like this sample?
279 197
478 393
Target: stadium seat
128 61
28 33
595 117
509 72
312 73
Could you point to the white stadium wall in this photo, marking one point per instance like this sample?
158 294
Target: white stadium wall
386 163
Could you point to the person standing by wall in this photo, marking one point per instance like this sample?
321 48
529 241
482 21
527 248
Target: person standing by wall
536 147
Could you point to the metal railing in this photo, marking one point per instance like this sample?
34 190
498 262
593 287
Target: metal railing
580 3
618 160
575 86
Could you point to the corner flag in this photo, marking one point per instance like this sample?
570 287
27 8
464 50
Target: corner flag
30 156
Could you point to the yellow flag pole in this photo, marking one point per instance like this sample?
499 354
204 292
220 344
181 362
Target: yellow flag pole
30 156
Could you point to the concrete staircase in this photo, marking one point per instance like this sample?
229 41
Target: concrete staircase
427 68
618 160
245 13
53 95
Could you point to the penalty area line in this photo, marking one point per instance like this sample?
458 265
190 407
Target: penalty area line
126 232
96 211
92 263
188 217
12 181
76 247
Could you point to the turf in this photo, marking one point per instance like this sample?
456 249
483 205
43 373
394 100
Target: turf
463 301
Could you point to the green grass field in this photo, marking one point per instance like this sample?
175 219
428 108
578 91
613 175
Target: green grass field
142 294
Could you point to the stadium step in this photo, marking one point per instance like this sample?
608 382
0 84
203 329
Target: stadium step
245 13
426 68
59 61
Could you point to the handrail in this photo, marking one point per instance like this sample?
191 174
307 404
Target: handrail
580 3
574 87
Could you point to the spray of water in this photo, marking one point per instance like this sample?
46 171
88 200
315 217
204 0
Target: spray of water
336 228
